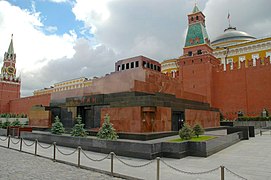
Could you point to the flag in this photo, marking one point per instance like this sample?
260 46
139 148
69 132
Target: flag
228 15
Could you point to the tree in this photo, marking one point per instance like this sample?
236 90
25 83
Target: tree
78 129
57 126
107 131
186 132
198 130
16 123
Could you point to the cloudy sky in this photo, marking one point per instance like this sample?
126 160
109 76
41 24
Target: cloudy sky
56 40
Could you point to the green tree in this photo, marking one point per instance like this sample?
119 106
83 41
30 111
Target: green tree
16 123
6 124
186 132
78 129
198 130
107 130
57 126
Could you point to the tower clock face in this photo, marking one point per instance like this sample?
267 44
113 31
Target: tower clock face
10 70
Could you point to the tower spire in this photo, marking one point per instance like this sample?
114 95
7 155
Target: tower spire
10 48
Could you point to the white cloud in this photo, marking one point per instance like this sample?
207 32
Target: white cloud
33 48
59 1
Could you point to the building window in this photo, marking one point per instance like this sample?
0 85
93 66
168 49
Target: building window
158 68
197 18
189 53
155 67
118 68
199 51
127 65
136 64
241 59
230 61
122 67
144 64
132 64
254 58
192 19
151 66
269 54
148 65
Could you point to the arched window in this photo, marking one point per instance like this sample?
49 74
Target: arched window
192 18
197 18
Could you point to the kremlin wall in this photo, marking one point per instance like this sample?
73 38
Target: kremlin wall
222 77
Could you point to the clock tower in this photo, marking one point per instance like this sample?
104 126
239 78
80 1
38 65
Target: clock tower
9 84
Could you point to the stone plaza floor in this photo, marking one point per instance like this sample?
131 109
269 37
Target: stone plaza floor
250 159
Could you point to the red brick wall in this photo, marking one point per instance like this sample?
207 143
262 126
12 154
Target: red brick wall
23 105
205 118
8 91
244 89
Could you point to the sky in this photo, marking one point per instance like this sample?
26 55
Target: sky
57 40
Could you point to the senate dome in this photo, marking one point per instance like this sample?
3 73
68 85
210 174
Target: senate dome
231 36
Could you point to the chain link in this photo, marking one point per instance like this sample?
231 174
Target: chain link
45 147
4 139
65 154
15 142
28 144
188 172
97 160
233 173
134 166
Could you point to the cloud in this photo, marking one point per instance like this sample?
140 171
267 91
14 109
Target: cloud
247 15
86 62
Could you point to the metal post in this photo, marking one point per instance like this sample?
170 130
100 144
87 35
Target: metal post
261 133
54 156
36 146
79 155
112 156
222 173
158 168
8 141
21 144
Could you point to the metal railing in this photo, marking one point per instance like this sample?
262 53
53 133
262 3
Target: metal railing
113 156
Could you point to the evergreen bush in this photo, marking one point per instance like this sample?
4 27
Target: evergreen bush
198 130
16 123
57 127
107 130
186 132
78 129
6 124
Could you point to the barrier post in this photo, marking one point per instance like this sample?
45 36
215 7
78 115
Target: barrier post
54 156
36 146
158 168
8 141
21 144
79 155
112 168
222 172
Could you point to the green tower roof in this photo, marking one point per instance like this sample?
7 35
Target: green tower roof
196 9
196 35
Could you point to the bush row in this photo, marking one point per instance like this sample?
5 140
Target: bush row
8 115
259 118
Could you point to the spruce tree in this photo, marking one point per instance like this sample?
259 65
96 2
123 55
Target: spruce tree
78 129
186 132
198 130
57 127
107 131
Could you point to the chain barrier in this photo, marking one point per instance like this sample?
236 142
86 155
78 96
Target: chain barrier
188 172
66 154
28 144
134 166
4 139
233 173
15 142
45 147
97 160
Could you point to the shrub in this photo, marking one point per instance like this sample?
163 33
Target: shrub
16 123
1 124
186 132
198 130
57 126
6 124
78 129
107 130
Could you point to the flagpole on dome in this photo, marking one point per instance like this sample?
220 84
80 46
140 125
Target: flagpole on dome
229 19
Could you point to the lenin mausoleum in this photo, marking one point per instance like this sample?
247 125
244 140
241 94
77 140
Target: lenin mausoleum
213 78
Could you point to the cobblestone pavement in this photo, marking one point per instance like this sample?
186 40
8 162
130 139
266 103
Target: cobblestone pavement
17 165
